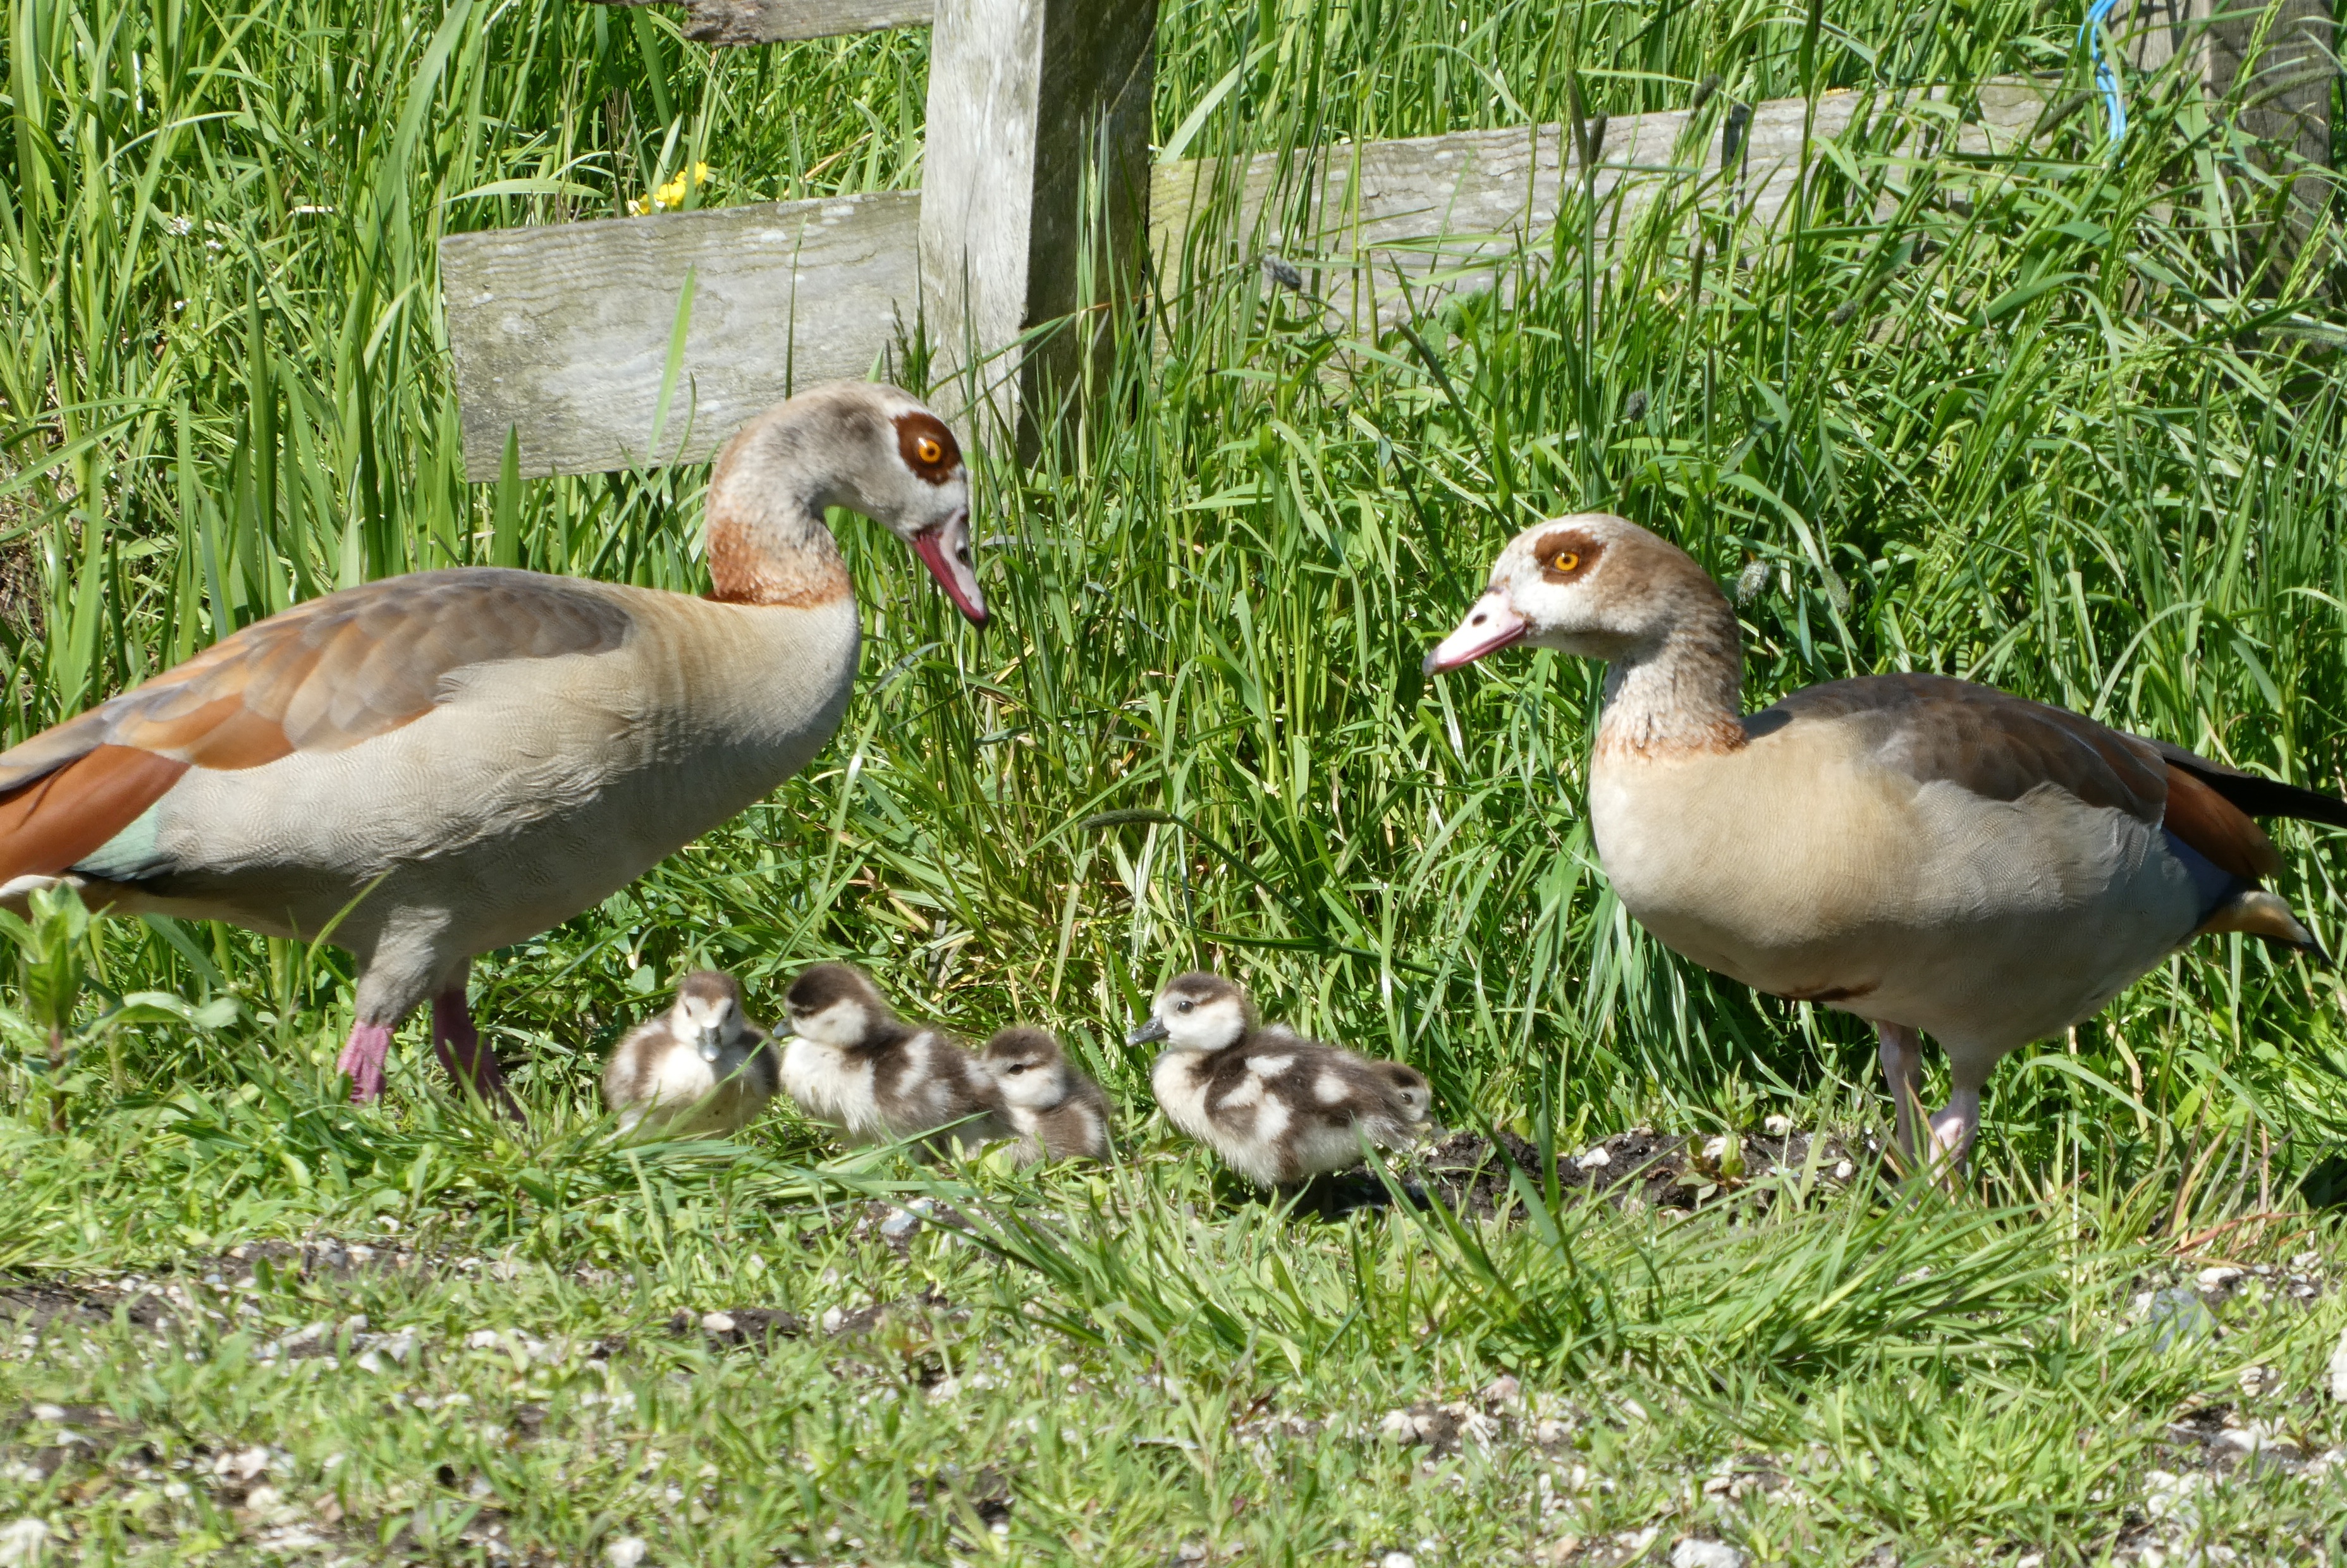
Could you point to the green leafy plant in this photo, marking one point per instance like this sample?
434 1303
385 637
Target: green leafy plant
52 939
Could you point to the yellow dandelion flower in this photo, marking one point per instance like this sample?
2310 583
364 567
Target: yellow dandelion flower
673 194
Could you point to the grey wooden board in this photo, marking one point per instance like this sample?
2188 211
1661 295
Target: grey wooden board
735 22
562 333
1388 228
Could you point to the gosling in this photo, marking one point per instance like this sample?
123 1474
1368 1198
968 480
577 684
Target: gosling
854 1063
1060 1112
699 1068
1279 1108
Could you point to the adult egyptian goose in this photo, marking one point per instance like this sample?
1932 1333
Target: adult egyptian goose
433 765
701 1068
1935 856
1057 1112
1277 1107
853 1062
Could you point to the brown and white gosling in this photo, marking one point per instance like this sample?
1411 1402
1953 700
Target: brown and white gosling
700 1068
853 1062
1278 1107
1059 1112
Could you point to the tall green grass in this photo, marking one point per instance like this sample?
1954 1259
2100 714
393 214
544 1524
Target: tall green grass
2064 422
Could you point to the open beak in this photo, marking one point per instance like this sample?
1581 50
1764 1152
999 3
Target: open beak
1154 1030
945 550
1489 627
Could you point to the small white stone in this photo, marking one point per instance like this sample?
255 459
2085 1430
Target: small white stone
21 1540
1594 1159
369 1361
57 1413
251 1462
1398 1426
717 1322
2338 1369
2216 1276
1696 1553
399 1347
2257 1438
626 1552
1844 1171
831 1318
1396 1559
1777 1126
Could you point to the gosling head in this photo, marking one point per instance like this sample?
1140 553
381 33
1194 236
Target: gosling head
1197 1011
1593 585
1029 1067
708 1012
835 1004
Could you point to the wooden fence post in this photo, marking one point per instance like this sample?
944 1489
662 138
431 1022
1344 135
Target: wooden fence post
1034 197
2284 46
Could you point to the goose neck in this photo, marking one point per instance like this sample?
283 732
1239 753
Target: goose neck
1679 694
767 541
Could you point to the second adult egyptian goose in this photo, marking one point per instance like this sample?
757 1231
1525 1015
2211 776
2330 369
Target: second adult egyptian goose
430 766
1935 856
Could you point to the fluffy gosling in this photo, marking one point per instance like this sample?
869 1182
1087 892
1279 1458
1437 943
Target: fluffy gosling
701 1068
1059 1111
853 1062
1277 1107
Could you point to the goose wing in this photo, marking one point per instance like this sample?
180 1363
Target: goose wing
320 677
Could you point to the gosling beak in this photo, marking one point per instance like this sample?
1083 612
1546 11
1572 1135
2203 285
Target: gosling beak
710 1049
1489 627
1154 1030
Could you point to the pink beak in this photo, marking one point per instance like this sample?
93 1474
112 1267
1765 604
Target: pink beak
945 550
1489 627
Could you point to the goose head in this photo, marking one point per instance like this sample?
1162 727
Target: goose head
708 1013
1197 1011
1593 585
834 1005
872 448
1029 1066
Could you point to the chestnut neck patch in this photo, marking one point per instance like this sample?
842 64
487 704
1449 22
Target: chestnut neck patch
928 447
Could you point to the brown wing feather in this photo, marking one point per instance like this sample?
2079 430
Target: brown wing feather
1999 746
2221 831
59 818
319 677
336 670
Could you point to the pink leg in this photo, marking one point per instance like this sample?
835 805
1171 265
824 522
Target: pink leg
468 1061
362 1060
1902 1069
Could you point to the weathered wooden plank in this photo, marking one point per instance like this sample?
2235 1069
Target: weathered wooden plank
738 22
1395 225
562 333
1035 192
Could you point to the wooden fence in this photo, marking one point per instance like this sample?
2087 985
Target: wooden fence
1037 204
